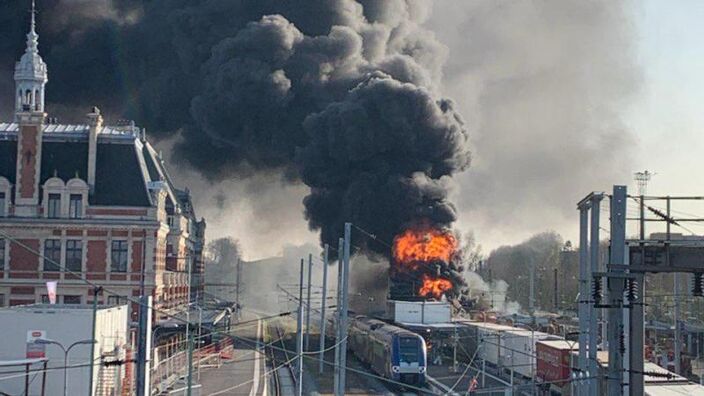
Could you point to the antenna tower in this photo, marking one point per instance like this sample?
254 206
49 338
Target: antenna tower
642 179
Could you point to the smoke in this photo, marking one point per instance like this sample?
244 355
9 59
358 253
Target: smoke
491 295
339 95
544 86
368 285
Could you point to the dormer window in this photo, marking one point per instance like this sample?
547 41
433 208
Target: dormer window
54 206
77 190
75 208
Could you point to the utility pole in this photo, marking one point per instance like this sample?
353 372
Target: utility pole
616 288
345 308
143 328
310 286
583 307
144 346
238 270
96 291
299 335
322 309
594 267
678 330
189 382
338 318
676 313
531 300
556 295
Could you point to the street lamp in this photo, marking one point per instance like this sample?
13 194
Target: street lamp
44 341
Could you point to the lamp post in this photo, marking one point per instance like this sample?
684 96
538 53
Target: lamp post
45 341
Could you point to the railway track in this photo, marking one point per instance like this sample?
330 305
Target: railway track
284 378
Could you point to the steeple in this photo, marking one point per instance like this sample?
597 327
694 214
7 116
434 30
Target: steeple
30 74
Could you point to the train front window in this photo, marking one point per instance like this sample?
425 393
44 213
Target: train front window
408 349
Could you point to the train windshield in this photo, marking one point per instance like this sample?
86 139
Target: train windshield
408 349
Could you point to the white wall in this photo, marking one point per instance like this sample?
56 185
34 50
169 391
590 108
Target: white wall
65 325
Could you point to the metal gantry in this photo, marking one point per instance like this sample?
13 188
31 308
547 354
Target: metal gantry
629 262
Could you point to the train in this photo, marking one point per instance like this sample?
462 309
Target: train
390 351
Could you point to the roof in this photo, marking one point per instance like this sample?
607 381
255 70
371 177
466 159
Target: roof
118 177
124 164
54 307
688 389
560 344
8 159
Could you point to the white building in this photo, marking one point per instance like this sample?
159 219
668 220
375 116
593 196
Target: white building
65 325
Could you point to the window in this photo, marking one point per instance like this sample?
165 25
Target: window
116 300
119 256
52 254
2 254
54 206
72 299
75 210
2 204
2 300
408 349
74 255
45 299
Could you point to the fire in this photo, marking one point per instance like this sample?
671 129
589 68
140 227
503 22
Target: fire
424 245
434 287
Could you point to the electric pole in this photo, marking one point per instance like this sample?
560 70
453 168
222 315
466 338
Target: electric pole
322 309
299 334
238 270
338 316
345 308
310 286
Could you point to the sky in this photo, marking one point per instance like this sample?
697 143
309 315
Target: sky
560 98
659 61
668 115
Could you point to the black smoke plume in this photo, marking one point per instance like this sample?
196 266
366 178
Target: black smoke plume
340 95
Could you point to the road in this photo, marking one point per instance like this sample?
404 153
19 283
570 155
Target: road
244 374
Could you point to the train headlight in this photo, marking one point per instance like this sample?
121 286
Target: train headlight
395 369
421 369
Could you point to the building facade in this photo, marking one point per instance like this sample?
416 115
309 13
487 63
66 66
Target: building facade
89 202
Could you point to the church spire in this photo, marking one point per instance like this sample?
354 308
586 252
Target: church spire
30 73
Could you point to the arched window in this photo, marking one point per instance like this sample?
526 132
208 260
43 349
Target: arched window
28 97
36 99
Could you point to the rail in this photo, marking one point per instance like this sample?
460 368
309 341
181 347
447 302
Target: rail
278 386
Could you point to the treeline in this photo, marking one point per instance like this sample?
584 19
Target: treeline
549 255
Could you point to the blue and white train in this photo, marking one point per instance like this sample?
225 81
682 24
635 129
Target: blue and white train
391 351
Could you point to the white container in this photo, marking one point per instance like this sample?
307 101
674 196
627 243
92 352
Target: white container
519 350
485 339
65 324
420 312
436 312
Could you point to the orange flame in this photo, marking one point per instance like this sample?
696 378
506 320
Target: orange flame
424 245
434 287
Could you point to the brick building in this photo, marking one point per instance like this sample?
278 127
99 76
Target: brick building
96 199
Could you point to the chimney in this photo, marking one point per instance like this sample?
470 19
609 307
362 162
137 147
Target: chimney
95 123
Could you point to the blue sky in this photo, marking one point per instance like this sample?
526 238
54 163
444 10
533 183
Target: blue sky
668 115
